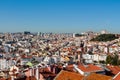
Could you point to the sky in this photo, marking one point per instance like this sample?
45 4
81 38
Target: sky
59 15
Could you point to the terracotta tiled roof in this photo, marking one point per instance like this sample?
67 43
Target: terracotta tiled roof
2 79
114 69
46 72
117 77
31 78
66 75
90 68
94 76
24 56
24 78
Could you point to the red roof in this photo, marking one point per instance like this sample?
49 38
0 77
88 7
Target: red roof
90 68
114 69
30 78
66 75
117 77
2 79
94 76
24 56
46 72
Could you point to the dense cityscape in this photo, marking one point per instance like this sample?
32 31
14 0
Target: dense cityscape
59 56
59 40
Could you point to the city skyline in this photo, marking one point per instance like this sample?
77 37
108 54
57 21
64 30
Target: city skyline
61 16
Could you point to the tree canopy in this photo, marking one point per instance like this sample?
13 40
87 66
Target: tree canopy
105 37
78 35
114 60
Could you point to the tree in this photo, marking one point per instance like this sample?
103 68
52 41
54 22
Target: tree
90 53
109 59
104 37
102 62
115 60
118 62
78 35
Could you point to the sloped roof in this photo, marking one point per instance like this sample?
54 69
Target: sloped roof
2 79
89 68
114 69
94 76
117 76
30 78
46 72
66 75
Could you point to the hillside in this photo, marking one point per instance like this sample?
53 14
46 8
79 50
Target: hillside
104 37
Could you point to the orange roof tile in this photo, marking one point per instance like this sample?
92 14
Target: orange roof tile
66 75
89 68
2 79
114 69
46 72
95 76
31 78
117 77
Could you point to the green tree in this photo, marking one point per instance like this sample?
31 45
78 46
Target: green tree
78 35
118 62
109 59
104 37
102 62
90 53
115 60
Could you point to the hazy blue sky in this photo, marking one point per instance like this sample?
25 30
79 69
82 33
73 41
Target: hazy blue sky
59 15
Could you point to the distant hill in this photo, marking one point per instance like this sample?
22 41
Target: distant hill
105 37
